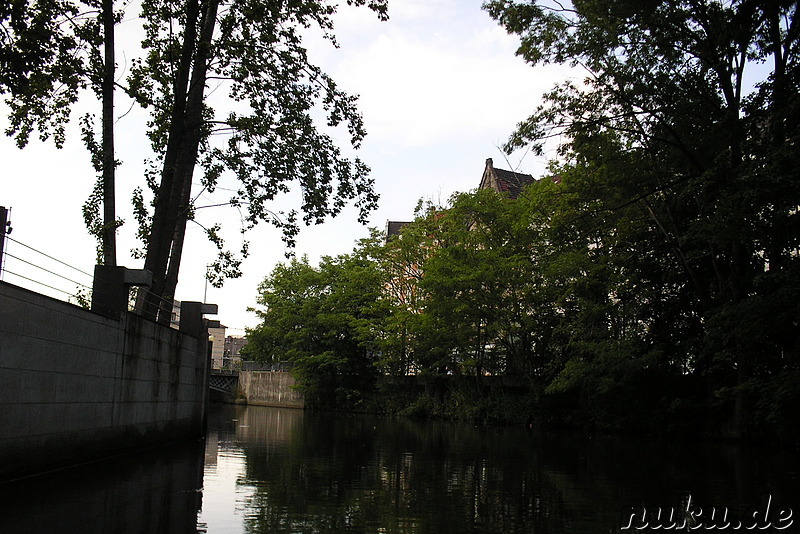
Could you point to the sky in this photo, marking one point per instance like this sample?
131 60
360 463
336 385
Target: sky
440 91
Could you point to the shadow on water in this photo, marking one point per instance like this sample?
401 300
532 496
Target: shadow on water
156 491
309 472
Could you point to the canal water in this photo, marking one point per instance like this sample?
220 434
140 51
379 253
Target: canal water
272 470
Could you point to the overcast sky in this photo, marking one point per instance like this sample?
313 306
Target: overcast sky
440 90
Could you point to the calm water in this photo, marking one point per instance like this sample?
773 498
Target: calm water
269 470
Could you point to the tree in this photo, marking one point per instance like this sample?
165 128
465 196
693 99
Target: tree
321 320
49 53
45 61
257 50
401 260
465 289
666 115
481 284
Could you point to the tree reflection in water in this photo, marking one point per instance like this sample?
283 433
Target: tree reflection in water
310 472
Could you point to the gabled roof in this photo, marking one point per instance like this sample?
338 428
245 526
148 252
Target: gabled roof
503 181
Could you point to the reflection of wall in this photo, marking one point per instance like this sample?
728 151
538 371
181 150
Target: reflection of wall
212 448
265 388
256 422
157 492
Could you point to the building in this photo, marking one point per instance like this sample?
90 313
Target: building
233 346
506 182
217 338
402 286
393 228
175 316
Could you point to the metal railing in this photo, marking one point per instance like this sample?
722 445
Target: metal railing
30 268
274 366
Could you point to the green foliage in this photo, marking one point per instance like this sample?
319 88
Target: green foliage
48 54
320 320
83 297
265 135
681 205
274 133
269 136
651 282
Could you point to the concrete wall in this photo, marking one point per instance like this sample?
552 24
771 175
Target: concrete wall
75 386
265 388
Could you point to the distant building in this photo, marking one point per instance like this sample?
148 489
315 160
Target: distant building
402 285
217 338
175 317
233 346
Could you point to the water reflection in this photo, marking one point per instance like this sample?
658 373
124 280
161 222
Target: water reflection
269 470
280 470
154 491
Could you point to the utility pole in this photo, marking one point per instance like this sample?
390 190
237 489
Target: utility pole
205 291
4 230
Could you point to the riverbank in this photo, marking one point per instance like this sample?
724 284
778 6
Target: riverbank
679 408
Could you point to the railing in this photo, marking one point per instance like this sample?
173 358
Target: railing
38 271
232 368
28 267
274 366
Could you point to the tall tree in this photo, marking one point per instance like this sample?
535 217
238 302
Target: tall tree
49 53
99 210
267 134
109 238
45 62
254 49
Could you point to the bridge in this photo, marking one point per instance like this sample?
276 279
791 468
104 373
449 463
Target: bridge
223 380
256 383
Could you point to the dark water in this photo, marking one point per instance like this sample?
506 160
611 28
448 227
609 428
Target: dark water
268 470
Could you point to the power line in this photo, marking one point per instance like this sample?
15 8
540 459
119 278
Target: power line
164 304
46 270
38 282
47 256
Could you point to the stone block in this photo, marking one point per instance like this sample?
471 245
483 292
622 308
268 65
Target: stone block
10 384
15 421
98 389
37 386
70 388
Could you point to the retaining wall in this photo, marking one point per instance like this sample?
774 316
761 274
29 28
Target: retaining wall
267 388
75 386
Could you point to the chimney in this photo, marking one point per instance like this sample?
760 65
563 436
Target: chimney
489 163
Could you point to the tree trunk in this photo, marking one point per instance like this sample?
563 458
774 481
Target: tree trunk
183 140
188 157
171 280
109 162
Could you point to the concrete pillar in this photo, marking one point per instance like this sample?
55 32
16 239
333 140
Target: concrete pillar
111 288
